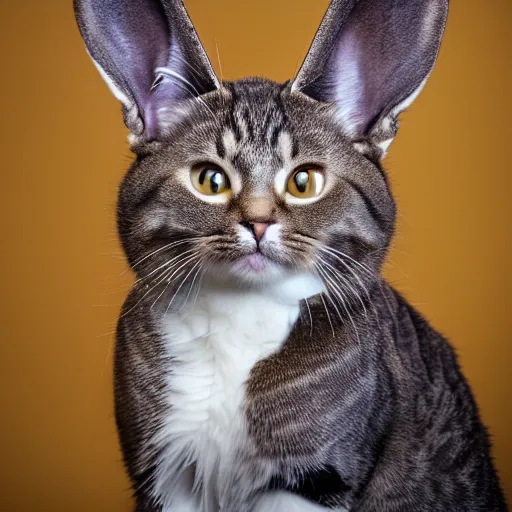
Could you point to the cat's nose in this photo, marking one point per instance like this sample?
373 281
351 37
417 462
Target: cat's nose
258 228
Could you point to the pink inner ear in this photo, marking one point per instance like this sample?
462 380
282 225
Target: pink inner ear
377 58
174 82
130 39
349 93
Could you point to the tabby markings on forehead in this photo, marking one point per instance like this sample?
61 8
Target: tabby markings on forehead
230 144
281 177
286 147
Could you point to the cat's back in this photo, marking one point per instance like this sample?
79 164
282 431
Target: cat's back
426 354
439 418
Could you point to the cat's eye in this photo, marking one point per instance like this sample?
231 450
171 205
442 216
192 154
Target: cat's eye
210 180
305 183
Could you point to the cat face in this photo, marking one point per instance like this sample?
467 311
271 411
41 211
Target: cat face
254 184
251 181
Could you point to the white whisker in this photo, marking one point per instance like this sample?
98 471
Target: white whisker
192 283
181 284
168 246
166 264
344 263
362 265
335 272
159 280
220 65
328 294
327 313
170 72
310 318
341 297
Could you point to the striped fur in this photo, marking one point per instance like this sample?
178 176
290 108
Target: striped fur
278 371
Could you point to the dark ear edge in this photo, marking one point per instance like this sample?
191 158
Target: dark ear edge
128 40
323 43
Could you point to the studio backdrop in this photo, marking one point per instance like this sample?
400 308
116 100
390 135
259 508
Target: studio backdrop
64 152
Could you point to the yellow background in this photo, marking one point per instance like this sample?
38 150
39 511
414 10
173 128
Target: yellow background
64 152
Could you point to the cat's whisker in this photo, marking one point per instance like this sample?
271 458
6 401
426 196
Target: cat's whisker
206 266
345 264
164 265
181 285
160 249
170 73
328 315
366 268
343 280
220 65
165 287
198 75
200 263
375 278
337 289
310 318
341 297
183 264
360 279
333 302
159 280
195 71
327 292
170 273
176 276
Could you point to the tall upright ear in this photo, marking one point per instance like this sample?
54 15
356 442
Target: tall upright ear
372 58
148 53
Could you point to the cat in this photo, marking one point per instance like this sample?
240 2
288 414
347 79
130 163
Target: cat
262 363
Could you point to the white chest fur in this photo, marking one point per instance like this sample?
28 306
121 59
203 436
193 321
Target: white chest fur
212 346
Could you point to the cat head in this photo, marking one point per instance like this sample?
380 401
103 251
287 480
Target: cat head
252 181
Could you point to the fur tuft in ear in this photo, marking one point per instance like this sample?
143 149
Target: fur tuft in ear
129 40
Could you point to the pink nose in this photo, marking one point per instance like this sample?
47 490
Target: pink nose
258 228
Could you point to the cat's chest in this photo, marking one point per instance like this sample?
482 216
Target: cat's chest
211 347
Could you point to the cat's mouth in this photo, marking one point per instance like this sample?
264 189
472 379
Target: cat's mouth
256 262
255 266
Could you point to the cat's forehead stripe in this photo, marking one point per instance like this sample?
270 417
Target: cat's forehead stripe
286 146
257 117
256 137
229 144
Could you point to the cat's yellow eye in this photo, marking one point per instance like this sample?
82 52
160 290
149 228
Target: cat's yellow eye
305 183
210 180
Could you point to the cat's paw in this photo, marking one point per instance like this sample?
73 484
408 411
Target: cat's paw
279 501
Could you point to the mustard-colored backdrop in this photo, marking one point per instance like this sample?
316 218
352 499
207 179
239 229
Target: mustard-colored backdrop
63 152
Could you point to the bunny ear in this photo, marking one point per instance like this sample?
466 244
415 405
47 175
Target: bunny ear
372 57
134 42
